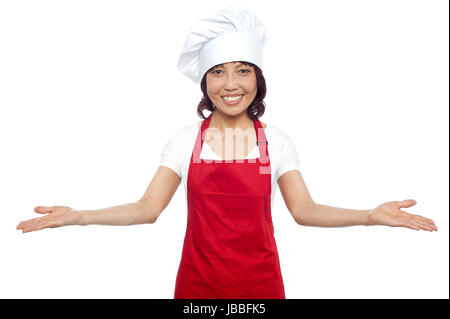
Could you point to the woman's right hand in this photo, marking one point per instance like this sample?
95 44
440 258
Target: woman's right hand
56 216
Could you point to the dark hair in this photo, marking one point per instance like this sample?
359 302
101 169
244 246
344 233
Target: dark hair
255 110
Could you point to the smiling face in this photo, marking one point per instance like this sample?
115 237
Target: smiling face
231 87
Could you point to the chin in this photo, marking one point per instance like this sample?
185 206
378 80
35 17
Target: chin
232 111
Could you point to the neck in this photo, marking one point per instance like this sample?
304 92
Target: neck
222 121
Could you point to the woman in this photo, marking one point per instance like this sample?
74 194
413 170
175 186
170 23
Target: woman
229 249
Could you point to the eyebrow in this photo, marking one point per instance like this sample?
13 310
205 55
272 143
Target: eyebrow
240 64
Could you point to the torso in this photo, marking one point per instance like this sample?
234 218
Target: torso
229 147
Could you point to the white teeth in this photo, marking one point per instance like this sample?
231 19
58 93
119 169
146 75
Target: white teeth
232 98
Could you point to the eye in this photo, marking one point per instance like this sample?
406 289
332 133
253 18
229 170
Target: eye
246 70
214 71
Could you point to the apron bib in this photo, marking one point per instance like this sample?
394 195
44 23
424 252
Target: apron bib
229 251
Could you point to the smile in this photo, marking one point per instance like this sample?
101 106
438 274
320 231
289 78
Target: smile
232 100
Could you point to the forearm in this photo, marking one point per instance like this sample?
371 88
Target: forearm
328 216
127 214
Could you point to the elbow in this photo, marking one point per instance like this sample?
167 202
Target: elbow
301 215
151 220
150 213
152 217
300 220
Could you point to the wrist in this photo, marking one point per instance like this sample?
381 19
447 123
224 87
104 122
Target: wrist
81 218
369 215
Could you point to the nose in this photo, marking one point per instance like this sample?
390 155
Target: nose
231 82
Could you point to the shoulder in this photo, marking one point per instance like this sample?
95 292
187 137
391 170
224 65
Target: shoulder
186 131
282 150
182 136
276 134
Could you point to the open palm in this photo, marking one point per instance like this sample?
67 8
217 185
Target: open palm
390 214
56 216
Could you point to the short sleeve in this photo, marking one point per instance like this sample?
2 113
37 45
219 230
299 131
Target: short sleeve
170 155
288 159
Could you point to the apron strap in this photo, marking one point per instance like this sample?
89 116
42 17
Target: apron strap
261 140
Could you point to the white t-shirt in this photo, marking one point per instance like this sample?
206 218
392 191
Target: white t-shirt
177 152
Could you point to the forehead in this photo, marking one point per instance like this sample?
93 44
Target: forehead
233 64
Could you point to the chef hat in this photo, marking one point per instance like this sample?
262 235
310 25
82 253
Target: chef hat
232 34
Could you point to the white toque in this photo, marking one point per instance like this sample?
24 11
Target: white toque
232 34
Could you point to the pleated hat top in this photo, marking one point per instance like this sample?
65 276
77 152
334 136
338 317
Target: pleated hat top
231 34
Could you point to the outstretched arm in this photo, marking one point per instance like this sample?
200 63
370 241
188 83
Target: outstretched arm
146 210
307 213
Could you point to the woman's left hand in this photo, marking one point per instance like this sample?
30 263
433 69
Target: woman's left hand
390 214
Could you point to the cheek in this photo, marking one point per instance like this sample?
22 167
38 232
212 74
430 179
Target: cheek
251 85
212 87
251 88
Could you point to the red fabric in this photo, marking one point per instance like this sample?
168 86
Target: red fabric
229 250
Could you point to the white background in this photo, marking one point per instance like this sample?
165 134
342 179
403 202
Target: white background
90 92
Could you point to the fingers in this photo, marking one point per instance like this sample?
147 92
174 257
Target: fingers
28 225
418 222
50 220
35 224
412 226
406 220
32 224
425 223
425 219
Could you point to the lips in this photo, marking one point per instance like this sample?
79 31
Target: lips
232 99
231 95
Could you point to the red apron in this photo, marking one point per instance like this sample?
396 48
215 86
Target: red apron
229 250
